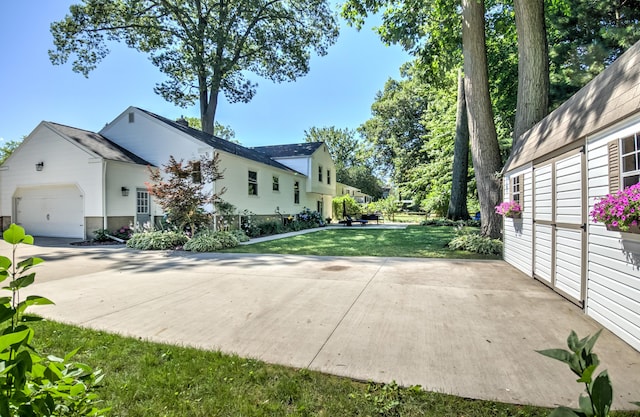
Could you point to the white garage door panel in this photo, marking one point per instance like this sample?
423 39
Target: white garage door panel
51 211
569 262
542 265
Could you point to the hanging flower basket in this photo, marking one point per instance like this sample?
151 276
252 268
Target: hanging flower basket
619 211
509 209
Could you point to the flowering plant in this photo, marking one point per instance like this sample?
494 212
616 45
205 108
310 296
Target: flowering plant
621 209
509 208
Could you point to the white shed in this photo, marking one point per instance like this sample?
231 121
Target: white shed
558 170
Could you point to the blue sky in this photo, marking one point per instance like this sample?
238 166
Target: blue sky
338 91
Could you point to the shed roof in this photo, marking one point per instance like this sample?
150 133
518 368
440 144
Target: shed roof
221 144
610 97
292 150
97 144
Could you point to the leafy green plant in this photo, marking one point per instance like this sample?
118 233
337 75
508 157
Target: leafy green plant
440 221
210 241
270 227
240 235
387 399
30 384
583 362
101 235
157 240
474 242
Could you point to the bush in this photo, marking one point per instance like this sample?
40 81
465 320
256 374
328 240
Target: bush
448 222
101 235
210 241
473 242
240 235
270 227
157 240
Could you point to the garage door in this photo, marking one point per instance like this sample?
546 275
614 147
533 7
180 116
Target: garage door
56 211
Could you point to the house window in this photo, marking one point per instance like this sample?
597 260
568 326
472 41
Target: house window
516 189
276 183
296 193
320 173
131 117
319 205
253 183
630 154
329 176
142 202
196 173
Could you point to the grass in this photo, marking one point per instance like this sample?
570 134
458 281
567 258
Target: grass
151 379
414 241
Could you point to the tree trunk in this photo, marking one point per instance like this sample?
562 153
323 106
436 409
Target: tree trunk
458 202
533 66
482 130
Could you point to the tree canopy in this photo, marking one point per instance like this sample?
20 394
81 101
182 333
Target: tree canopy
204 47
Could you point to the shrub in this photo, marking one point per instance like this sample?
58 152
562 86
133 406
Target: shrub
123 233
157 240
448 222
210 241
240 235
473 242
270 227
31 384
101 235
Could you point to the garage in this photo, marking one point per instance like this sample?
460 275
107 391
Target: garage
56 211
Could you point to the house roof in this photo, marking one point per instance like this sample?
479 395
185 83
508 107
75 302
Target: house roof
610 97
97 144
284 151
221 144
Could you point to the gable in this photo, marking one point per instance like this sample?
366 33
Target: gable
610 97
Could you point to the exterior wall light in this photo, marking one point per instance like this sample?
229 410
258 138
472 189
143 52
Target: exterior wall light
39 166
125 191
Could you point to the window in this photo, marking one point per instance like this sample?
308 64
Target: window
196 174
630 154
319 206
253 183
142 202
296 193
320 173
329 176
276 183
131 117
516 189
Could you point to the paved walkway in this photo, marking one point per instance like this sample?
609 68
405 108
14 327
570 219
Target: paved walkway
468 328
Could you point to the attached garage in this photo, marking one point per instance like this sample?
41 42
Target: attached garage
50 211
563 165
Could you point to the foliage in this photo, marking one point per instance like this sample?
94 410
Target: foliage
387 399
240 235
31 384
362 177
204 47
101 235
124 233
449 222
345 203
7 149
210 241
583 362
621 209
476 243
509 208
437 201
225 132
388 207
157 240
181 192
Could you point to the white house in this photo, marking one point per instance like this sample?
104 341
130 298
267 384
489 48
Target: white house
68 182
585 149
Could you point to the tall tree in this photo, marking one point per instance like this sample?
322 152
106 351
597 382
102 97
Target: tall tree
204 47
7 148
225 132
533 65
482 131
458 201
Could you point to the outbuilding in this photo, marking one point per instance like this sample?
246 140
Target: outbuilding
587 148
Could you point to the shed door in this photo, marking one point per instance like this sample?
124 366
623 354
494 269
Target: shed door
56 211
559 250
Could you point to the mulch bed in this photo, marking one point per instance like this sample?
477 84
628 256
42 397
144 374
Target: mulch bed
96 243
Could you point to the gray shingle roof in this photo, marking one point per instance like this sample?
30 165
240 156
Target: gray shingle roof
221 144
610 97
296 149
98 144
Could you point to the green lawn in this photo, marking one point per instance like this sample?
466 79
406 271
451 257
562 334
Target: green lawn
414 241
149 379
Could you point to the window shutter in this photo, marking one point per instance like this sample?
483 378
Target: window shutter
521 180
614 166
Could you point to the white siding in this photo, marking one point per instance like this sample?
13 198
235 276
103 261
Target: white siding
543 197
518 232
613 275
569 190
569 262
131 176
298 164
542 251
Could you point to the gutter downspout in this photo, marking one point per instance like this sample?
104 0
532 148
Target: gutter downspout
104 193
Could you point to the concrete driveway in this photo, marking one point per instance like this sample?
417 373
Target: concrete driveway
468 328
